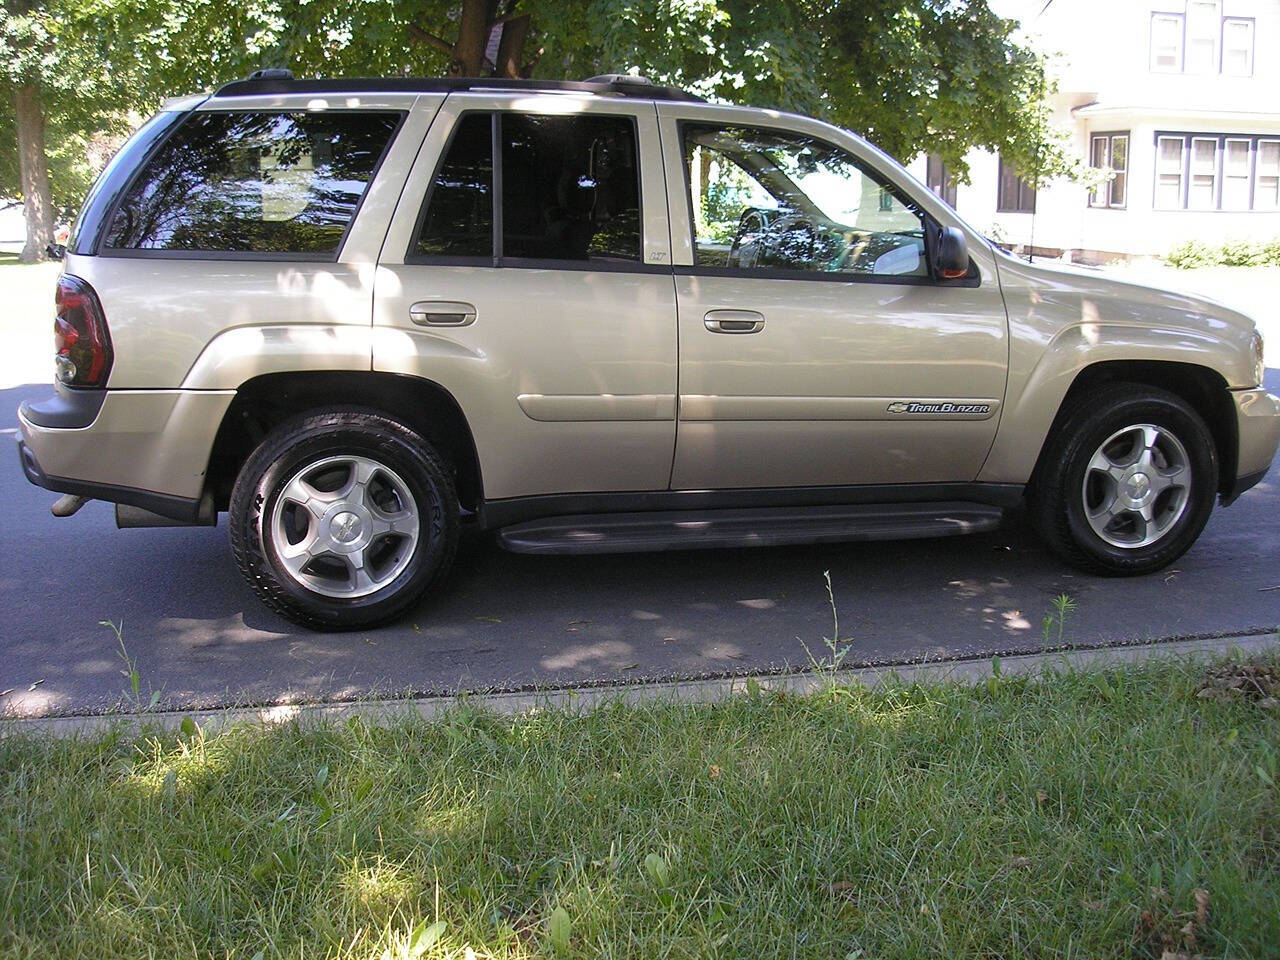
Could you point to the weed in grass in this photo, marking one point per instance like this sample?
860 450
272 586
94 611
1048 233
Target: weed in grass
1060 608
828 668
130 671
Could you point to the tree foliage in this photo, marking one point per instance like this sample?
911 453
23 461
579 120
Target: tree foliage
912 75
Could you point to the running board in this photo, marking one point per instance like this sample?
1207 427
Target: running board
757 527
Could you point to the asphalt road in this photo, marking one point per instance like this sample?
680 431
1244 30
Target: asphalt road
197 633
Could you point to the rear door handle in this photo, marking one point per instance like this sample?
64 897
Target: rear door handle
733 321
442 313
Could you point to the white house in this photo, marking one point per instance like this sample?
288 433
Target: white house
1181 98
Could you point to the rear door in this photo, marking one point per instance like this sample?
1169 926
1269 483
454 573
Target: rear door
816 346
527 271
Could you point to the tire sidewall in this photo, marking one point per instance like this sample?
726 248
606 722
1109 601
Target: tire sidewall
1202 458
292 452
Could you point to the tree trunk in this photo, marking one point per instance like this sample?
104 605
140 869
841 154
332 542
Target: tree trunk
473 37
34 170
510 60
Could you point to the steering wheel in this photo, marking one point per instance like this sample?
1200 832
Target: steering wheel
750 222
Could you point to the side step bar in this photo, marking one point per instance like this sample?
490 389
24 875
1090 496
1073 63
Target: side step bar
757 527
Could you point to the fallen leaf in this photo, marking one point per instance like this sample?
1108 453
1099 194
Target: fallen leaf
1188 932
841 886
36 684
1022 863
1094 905
714 772
1202 906
1041 796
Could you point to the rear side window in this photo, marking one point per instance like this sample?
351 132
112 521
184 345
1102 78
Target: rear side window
254 183
458 219
570 190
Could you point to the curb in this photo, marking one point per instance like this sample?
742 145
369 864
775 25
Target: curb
967 671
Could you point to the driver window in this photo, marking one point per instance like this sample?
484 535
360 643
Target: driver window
772 200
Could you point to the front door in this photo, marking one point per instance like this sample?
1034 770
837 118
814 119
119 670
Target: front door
527 271
817 348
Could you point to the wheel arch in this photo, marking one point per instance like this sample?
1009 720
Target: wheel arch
1203 388
263 402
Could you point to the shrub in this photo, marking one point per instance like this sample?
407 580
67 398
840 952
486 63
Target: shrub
1191 254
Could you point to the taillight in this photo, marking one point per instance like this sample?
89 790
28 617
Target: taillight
80 335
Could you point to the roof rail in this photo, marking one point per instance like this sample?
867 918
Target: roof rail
609 84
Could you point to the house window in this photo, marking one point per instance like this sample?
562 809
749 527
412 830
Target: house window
1235 175
1209 171
1013 195
1166 42
939 179
1204 21
1237 47
1110 151
1169 173
1266 188
1202 192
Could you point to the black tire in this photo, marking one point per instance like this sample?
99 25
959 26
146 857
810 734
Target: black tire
338 432
1056 498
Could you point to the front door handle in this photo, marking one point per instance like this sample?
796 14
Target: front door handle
733 321
442 313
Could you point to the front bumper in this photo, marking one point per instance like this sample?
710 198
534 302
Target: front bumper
146 448
1258 437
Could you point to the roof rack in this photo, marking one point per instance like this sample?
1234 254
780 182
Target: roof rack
609 84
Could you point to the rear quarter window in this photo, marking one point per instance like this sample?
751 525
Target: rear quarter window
285 183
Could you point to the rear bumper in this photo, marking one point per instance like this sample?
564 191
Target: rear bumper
176 508
146 448
1258 435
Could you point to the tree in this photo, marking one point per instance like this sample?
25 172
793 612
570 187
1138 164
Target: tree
913 75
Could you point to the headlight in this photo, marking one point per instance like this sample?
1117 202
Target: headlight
1259 367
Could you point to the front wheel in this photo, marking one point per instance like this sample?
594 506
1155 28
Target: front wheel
342 519
1127 481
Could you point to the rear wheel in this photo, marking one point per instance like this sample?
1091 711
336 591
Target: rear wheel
341 519
1127 482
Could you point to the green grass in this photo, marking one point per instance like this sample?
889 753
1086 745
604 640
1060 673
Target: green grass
1014 819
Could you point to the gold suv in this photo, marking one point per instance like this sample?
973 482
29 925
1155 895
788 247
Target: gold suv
600 316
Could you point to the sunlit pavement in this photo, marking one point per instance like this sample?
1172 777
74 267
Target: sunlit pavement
198 635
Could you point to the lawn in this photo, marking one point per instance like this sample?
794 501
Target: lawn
1097 814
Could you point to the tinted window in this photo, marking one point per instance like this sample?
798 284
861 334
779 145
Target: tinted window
458 220
254 182
769 200
570 188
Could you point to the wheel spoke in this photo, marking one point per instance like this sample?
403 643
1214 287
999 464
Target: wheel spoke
296 556
300 491
358 573
1102 463
356 487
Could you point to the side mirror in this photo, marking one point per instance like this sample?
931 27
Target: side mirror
55 251
953 254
